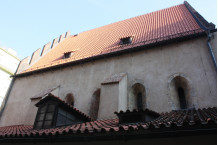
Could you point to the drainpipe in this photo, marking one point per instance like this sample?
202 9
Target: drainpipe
208 29
211 50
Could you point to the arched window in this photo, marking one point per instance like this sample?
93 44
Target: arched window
137 98
180 93
69 99
95 101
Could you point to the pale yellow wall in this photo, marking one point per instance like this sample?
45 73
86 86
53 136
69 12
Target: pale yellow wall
108 101
154 68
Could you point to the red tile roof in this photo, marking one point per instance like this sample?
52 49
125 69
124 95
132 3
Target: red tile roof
174 121
150 28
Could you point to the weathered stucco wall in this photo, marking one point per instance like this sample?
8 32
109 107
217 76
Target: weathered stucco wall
122 99
154 68
108 101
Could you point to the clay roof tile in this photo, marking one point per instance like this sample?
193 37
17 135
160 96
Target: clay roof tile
162 25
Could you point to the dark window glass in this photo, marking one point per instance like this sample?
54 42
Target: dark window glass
38 125
41 117
139 101
61 118
49 116
68 121
51 107
45 116
43 109
47 124
126 40
70 116
67 55
65 118
182 100
62 112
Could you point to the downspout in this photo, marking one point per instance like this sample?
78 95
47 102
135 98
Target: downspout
206 28
7 94
211 50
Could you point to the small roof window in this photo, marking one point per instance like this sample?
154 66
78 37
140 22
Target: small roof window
126 40
67 54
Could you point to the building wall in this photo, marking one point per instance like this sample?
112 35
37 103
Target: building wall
154 68
8 65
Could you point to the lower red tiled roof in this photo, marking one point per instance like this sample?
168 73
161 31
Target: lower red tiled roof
174 121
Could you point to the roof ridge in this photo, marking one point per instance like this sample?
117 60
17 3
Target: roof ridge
129 18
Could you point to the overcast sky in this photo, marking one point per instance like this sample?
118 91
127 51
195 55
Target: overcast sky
27 25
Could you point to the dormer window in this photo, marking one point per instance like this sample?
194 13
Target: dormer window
54 112
126 40
67 55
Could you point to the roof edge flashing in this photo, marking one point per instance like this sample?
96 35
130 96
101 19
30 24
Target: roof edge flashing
204 24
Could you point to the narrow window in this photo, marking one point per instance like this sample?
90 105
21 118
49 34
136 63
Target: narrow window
139 101
180 94
182 100
126 40
137 98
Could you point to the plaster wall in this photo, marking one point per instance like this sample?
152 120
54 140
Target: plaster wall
108 101
113 98
122 99
154 68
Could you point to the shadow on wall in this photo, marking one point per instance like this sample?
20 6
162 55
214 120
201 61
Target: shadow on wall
93 113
